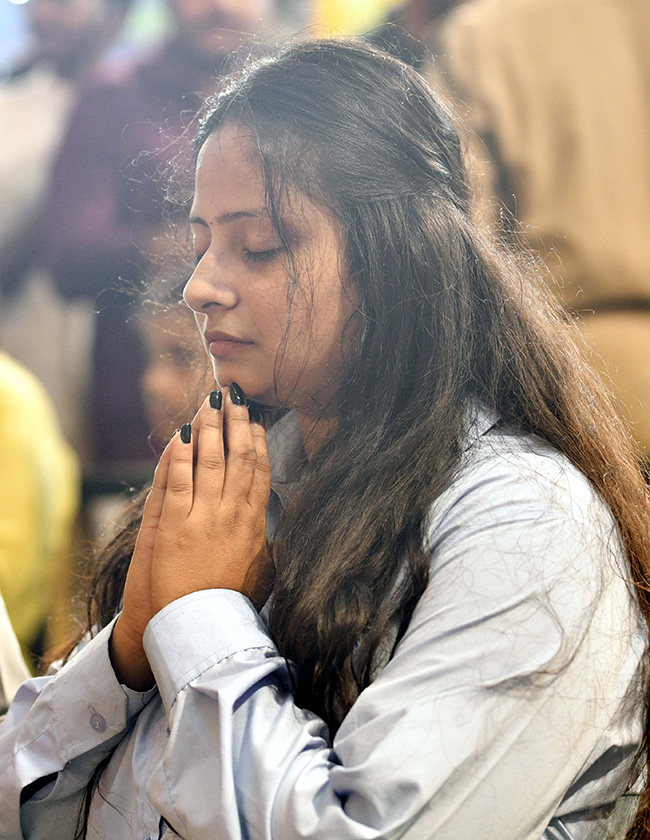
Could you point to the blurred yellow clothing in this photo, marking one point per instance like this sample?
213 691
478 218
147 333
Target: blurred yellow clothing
39 497
349 16
556 93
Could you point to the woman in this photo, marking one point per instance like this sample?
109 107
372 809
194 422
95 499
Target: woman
449 644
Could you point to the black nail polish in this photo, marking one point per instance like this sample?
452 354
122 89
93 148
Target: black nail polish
186 432
237 396
216 399
255 414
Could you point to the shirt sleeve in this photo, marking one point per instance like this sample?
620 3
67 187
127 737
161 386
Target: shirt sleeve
56 731
512 669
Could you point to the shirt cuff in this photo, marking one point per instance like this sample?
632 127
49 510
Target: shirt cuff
196 632
88 705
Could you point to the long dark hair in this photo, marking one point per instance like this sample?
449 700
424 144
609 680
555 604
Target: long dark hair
448 320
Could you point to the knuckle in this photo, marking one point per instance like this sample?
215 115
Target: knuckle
179 486
213 461
263 464
247 456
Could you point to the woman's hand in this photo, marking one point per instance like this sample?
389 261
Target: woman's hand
127 653
212 528
203 527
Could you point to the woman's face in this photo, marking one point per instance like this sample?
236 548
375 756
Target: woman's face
239 290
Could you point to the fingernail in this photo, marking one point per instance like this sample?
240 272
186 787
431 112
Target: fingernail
216 399
255 414
237 396
186 432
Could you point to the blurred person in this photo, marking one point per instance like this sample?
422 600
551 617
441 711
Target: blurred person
68 35
39 498
556 94
104 214
68 39
406 29
176 376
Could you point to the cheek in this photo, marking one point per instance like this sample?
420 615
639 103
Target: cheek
269 309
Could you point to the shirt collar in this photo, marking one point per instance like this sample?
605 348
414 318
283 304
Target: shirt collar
284 440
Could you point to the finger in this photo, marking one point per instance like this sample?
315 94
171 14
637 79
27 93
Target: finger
138 582
211 459
177 501
196 430
258 495
154 501
242 455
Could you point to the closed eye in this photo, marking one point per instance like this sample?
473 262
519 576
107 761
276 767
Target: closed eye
262 256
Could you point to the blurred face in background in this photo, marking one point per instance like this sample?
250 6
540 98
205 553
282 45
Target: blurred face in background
214 28
177 375
68 30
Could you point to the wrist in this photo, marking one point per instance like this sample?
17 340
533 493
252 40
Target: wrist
129 659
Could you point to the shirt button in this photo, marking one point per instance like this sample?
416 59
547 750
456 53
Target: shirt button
98 723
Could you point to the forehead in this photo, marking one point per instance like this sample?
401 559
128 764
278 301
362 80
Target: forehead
228 173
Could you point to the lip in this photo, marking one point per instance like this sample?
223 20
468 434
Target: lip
221 344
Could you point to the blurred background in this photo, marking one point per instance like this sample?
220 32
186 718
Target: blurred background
148 21
99 360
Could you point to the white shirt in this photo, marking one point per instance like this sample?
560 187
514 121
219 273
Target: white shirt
509 711
13 670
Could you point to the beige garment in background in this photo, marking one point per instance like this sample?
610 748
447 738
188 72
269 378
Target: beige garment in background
557 93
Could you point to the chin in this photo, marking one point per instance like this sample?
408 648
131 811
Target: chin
253 392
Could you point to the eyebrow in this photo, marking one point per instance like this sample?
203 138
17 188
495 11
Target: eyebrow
226 218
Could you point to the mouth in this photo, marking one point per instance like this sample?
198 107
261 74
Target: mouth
224 345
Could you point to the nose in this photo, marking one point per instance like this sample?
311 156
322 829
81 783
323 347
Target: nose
207 288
